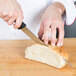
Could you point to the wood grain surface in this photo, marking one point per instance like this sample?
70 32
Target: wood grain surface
13 63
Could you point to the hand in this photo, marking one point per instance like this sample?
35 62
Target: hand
11 11
52 18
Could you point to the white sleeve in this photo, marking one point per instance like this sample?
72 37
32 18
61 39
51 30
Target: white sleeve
70 10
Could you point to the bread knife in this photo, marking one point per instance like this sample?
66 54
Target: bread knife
68 63
30 34
37 40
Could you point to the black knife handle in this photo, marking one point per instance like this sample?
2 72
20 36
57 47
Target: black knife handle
22 25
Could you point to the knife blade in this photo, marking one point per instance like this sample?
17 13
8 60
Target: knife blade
68 63
30 34
34 38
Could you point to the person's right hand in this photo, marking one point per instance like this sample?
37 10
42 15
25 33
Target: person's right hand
11 11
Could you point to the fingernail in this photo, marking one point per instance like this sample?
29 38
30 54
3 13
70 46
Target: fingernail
61 44
58 44
46 43
52 44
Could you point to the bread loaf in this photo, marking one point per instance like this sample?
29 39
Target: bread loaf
53 56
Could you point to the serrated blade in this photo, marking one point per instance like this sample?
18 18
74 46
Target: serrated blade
32 36
68 63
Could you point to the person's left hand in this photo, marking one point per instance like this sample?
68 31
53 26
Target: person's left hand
52 18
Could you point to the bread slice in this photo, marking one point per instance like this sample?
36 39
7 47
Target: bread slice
53 56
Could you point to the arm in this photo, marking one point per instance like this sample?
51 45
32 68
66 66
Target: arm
70 8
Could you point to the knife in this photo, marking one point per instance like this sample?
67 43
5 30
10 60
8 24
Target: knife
68 63
37 40
30 34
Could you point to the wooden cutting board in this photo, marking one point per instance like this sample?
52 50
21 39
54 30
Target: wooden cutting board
13 63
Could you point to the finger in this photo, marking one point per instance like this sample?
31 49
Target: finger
60 37
46 34
53 35
3 14
6 18
9 15
11 21
18 22
40 33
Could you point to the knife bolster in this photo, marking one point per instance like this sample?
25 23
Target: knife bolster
22 25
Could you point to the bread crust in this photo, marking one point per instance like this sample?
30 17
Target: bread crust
60 50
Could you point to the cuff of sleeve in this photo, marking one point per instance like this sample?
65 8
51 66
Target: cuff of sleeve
70 10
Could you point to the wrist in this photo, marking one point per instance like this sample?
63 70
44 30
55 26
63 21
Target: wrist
59 7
